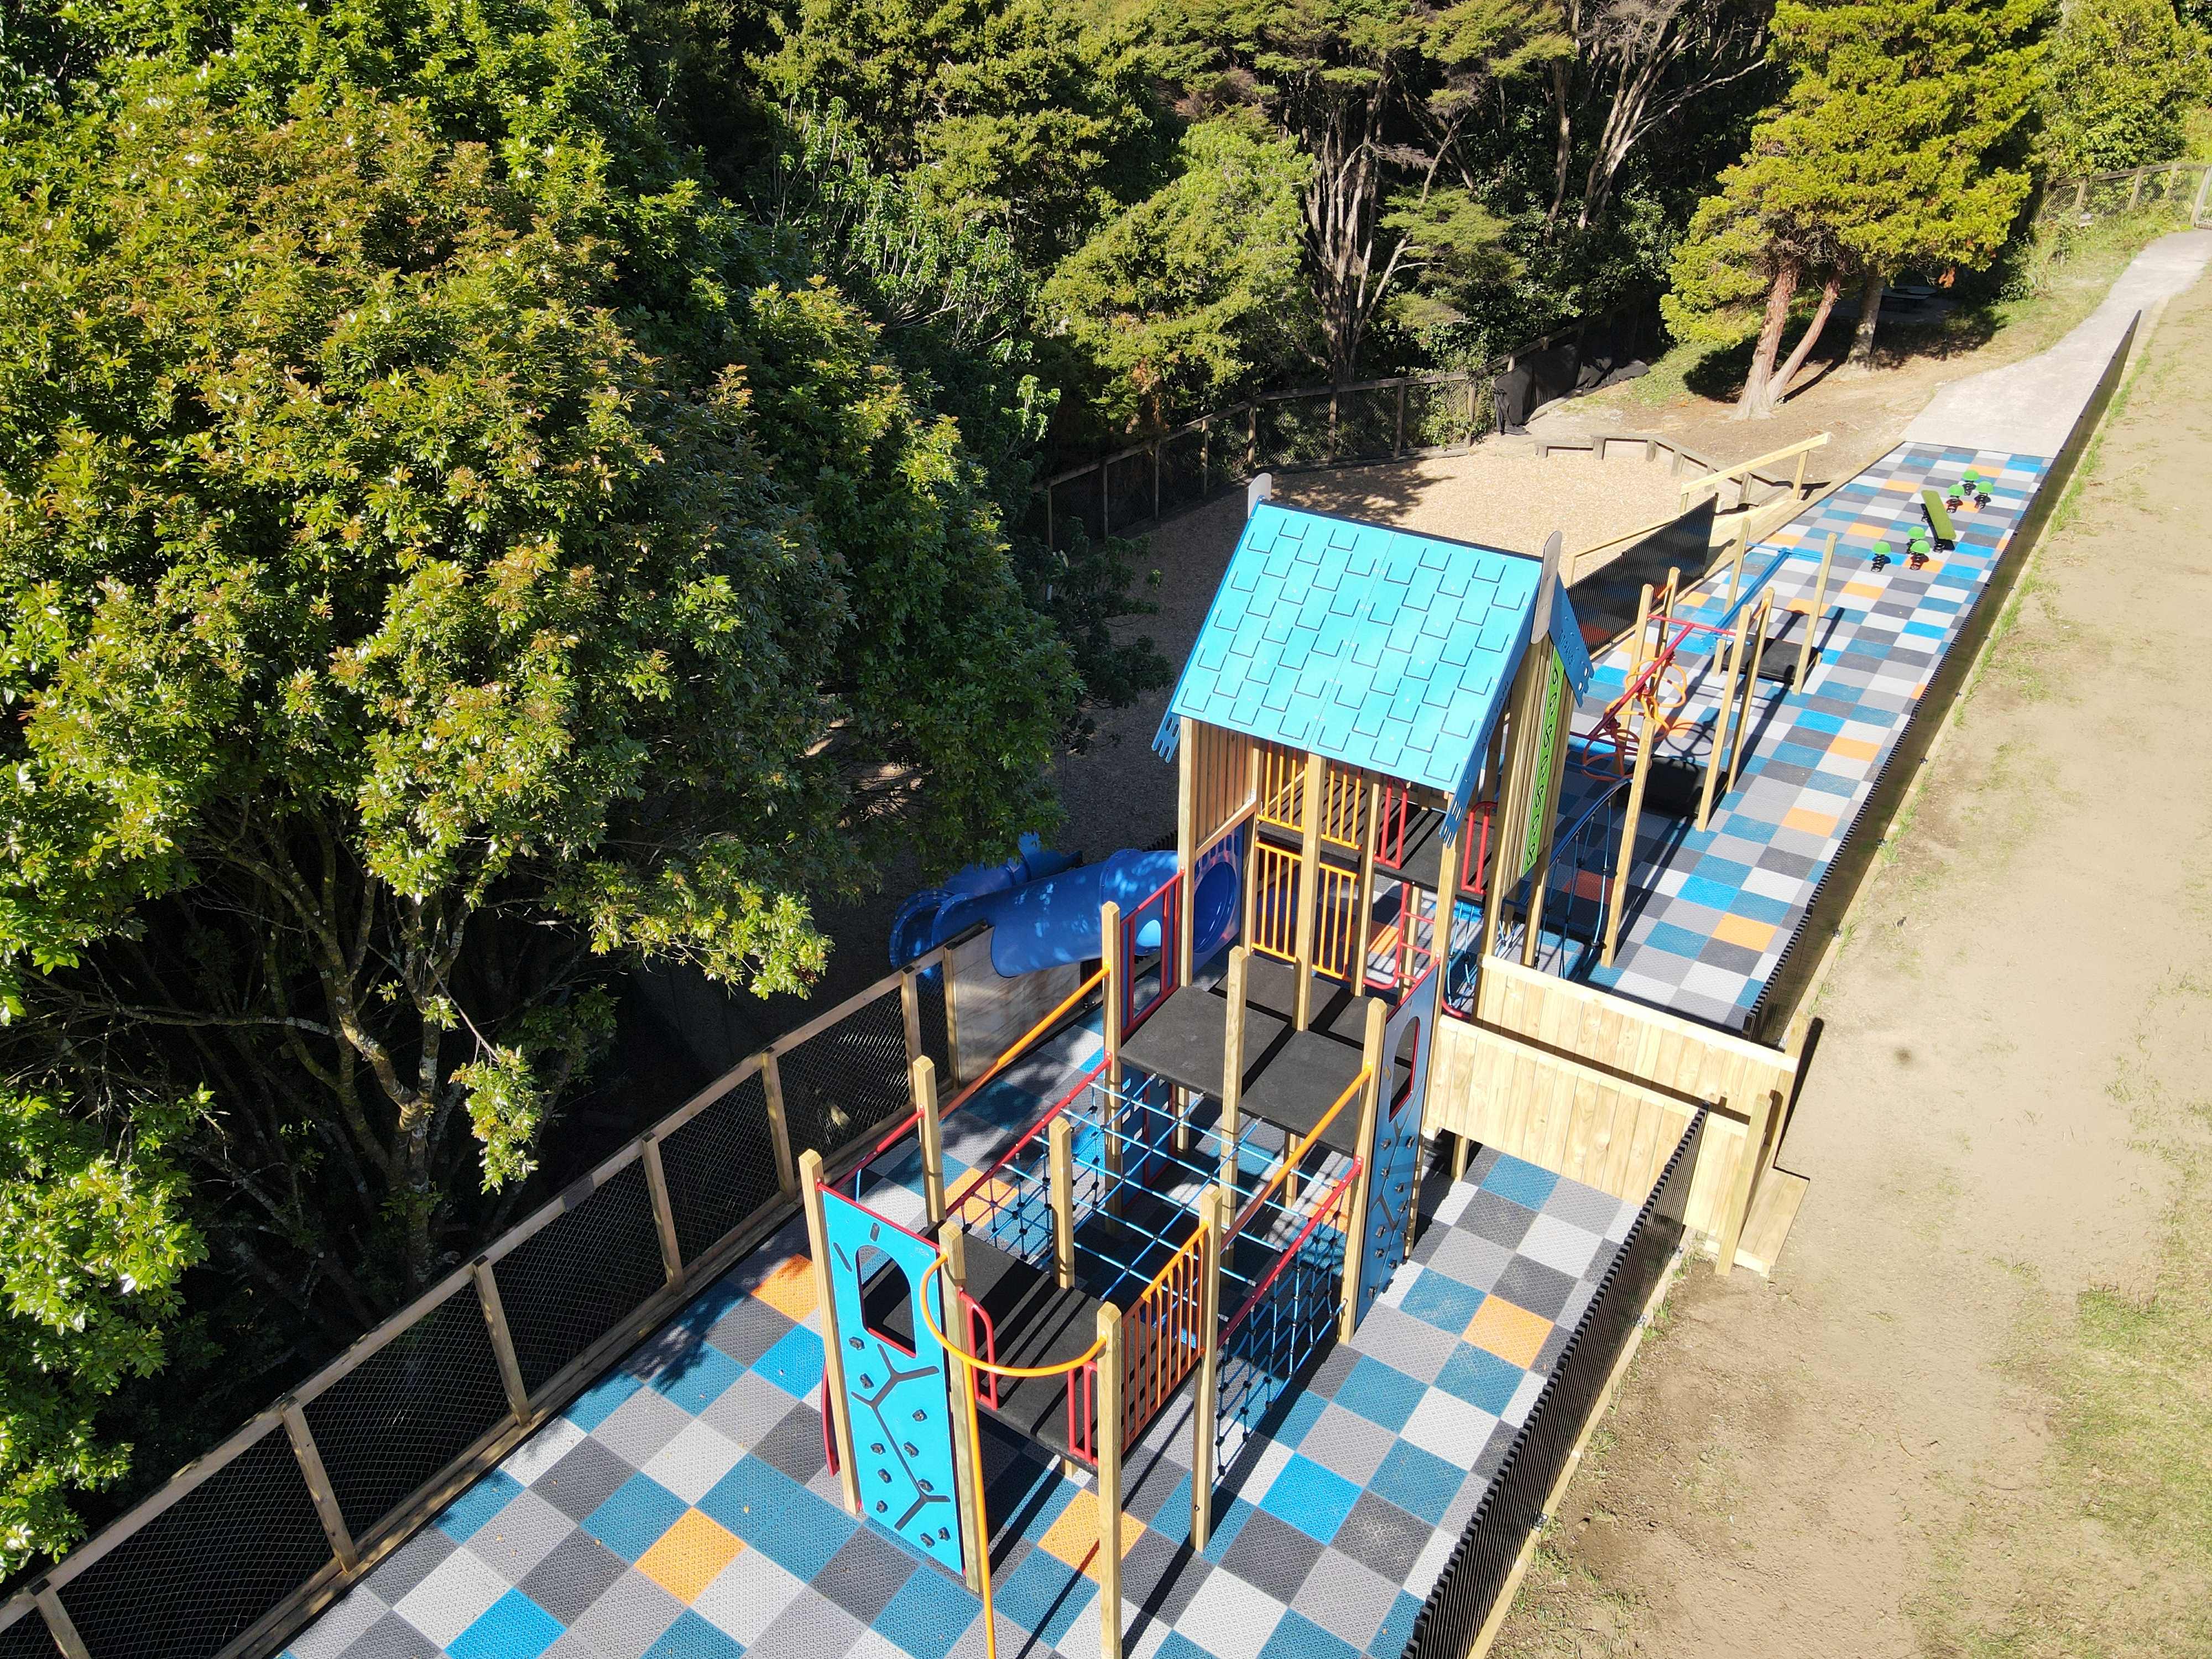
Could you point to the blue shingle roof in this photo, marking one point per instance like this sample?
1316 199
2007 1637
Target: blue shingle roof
1375 647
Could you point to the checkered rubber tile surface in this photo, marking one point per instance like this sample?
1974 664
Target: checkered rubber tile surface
681 1508
1713 910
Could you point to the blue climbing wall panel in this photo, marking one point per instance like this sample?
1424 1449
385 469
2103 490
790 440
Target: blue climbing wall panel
1394 1155
898 1402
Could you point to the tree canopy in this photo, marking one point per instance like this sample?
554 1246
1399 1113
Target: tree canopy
2124 75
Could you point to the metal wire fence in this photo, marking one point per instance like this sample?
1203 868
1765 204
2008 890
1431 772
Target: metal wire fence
1333 426
1482 1561
242 1546
2180 190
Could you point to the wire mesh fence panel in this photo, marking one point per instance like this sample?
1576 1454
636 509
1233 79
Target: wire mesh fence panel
202 1572
843 1082
1294 431
1185 477
1435 415
936 1024
28 1638
388 1427
1076 504
1367 424
578 1277
1129 490
2108 195
720 1167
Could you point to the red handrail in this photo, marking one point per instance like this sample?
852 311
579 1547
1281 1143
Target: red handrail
977 1179
1320 1211
990 1346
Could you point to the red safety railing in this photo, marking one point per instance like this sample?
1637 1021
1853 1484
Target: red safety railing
988 1347
1337 1204
1161 979
1083 1410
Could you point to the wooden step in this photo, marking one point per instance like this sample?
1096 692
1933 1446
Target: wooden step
1766 1229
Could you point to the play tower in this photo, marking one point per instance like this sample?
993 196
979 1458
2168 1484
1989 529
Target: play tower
1371 734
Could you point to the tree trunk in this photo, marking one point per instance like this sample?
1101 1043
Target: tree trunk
1779 388
1563 140
1862 357
1757 404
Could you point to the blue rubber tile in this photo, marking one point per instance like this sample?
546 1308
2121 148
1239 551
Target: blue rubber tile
1438 1299
1419 1482
1044 1595
794 1365
927 1616
1701 890
1313 1499
1297 1636
692 1638
1379 1393
466 1513
513 1627
1305 1411
1480 1377
769 1510
597 1403
1227 1525
1179 1646
632 1520
1522 1182
1398 1628
696 1380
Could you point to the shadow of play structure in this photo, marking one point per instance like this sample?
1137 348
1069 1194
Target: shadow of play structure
1232 1185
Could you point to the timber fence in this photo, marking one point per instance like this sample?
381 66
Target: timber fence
246 1543
1402 417
2184 189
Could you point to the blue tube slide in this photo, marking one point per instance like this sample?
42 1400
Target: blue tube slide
1043 913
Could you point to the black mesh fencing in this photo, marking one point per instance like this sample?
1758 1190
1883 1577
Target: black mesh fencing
1078 504
845 1081
206 1568
1367 424
1294 430
1129 490
390 1425
720 1168
1513 1508
1190 470
28 1638
581 1274
1437 414
936 1027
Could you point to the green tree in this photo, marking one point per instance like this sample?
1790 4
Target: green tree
1896 142
440 564
2123 76
93 1241
1384 96
1178 302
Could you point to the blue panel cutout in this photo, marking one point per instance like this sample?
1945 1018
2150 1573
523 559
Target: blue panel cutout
898 1402
1394 1151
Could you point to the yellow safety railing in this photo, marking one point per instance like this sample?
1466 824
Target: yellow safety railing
1292 1159
1282 786
1336 924
1162 1338
1274 901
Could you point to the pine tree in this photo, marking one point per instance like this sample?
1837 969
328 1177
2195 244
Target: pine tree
1900 142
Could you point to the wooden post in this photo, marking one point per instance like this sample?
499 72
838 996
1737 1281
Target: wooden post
1646 740
1215 1211
60 1624
1363 922
833 1351
1356 1229
1821 601
1636 653
1108 1437
663 1212
779 1127
911 1013
309 1457
975 1538
1747 1180
1060 1143
1186 846
1251 871
1736 560
503 1340
929 1133
1463 1150
1232 1064
1762 614
1309 886
951 1018
1721 722
1110 951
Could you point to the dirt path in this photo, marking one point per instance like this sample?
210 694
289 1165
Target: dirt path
1971 1414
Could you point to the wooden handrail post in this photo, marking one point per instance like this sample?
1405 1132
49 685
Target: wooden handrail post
1214 1210
1645 741
325 1498
975 1538
1109 953
929 1133
833 1349
664 1211
1232 1063
1059 1143
911 1013
1721 722
1762 614
1356 1228
778 1126
1107 1437
60 1624
503 1340
1820 599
